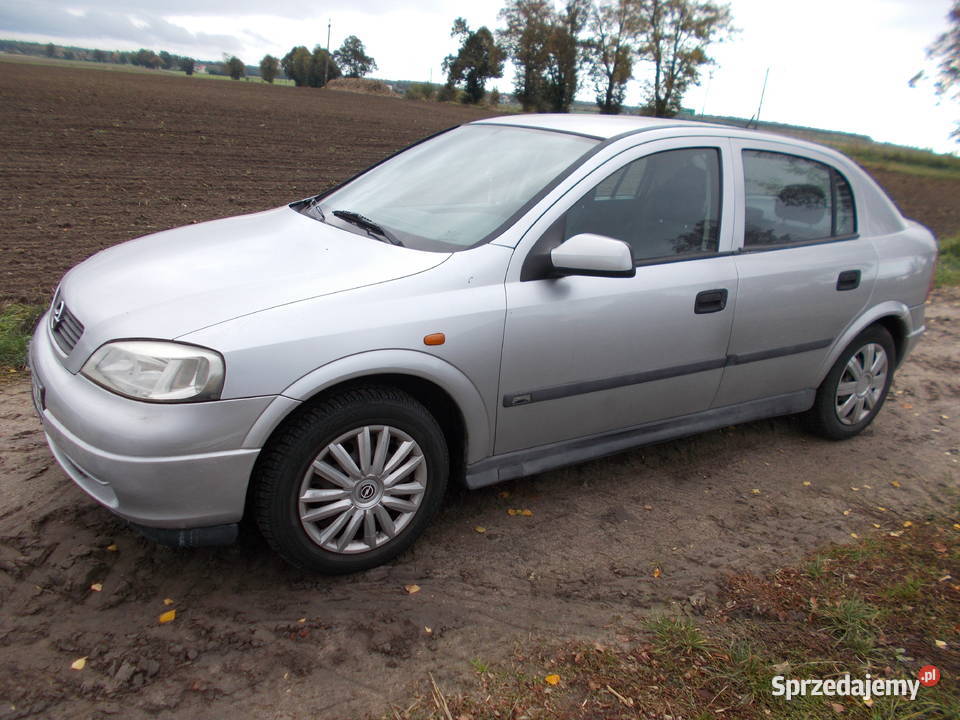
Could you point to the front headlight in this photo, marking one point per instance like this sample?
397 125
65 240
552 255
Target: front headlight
157 371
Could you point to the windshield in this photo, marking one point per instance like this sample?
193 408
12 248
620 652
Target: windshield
453 191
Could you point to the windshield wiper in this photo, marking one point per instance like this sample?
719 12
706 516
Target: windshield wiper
367 224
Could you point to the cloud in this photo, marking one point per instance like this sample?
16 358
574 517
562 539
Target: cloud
131 27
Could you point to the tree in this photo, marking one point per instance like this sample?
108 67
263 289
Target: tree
478 60
674 35
296 65
233 66
269 68
353 59
146 58
613 25
99 56
309 69
51 50
166 60
187 64
946 49
526 40
565 55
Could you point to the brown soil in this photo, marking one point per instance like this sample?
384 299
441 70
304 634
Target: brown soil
253 638
93 158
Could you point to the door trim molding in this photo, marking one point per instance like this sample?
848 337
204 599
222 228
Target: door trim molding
556 392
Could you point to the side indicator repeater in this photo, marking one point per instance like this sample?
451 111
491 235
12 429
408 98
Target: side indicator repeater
434 339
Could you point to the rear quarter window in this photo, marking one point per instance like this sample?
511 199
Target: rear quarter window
792 199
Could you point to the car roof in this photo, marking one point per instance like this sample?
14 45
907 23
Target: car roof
607 127
593 124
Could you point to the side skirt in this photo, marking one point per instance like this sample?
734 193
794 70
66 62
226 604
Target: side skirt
531 461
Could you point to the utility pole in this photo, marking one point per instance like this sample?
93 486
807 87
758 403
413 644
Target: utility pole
326 59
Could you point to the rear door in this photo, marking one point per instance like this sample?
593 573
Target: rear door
588 355
804 271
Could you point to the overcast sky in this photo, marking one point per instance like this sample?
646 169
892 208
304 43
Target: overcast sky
835 64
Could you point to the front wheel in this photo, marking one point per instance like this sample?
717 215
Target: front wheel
853 392
351 482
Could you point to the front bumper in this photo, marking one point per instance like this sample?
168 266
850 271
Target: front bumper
176 466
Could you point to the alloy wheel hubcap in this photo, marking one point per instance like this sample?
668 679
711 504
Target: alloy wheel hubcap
362 489
861 384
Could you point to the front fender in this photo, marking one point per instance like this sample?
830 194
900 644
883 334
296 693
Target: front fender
459 387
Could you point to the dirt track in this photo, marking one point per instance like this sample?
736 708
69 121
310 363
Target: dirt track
253 638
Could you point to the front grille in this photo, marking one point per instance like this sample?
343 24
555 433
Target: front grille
64 325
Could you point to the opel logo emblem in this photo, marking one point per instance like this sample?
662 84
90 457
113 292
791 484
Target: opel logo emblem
57 315
366 491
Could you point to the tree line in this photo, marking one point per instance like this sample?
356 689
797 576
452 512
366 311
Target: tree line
306 68
556 51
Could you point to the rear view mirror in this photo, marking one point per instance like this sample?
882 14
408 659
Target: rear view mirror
596 255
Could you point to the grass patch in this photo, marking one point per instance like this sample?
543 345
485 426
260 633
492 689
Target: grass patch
948 263
903 159
879 606
16 325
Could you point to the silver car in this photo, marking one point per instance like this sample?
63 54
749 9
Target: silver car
503 298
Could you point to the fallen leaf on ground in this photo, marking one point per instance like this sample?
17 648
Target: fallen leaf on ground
940 644
168 601
806 483
97 587
939 547
166 617
854 536
480 529
112 548
956 526
846 512
896 533
907 523
876 525
881 508
526 513
657 572
428 630
756 491
79 663
906 406
552 679
895 483
837 707
411 589
650 507
504 493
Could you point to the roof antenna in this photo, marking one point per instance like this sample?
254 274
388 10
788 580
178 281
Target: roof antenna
755 120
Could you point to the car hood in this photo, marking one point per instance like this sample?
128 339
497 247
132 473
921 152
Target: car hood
175 282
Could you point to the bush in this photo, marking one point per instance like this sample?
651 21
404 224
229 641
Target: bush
420 91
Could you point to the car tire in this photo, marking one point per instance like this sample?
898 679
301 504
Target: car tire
846 404
350 482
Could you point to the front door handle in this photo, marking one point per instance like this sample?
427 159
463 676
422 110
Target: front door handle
710 301
848 280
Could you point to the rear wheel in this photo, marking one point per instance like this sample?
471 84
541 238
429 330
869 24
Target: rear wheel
854 390
351 482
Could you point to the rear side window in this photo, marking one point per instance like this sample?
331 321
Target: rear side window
662 205
791 199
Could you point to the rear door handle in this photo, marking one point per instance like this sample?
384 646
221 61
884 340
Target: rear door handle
848 280
710 301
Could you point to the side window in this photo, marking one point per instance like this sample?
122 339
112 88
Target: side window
791 199
662 205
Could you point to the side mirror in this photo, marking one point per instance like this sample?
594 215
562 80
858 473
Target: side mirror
596 255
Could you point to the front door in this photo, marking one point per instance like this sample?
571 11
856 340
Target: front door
588 355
